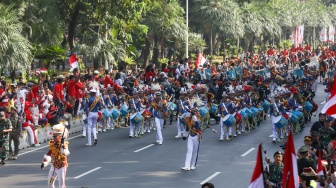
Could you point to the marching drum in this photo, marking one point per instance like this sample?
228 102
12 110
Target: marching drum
266 105
213 109
136 118
184 117
294 118
147 113
124 110
106 114
115 113
298 113
248 112
172 106
280 121
203 111
243 114
308 106
229 120
254 111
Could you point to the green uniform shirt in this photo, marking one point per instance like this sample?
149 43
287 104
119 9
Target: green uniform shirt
325 135
275 173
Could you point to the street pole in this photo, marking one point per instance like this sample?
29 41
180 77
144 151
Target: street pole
106 63
187 37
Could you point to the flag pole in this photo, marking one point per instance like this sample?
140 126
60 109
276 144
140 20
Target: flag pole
187 33
261 163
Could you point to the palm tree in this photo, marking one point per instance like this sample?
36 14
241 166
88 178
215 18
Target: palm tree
15 49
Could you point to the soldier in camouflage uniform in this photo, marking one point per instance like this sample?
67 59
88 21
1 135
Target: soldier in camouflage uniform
15 134
325 132
5 128
274 173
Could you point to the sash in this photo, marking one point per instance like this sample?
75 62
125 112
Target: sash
95 101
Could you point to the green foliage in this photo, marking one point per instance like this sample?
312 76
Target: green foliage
163 60
129 61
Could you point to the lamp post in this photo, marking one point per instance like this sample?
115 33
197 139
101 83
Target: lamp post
187 33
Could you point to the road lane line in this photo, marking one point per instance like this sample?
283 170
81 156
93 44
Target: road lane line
244 154
44 146
323 102
209 178
88 172
150 145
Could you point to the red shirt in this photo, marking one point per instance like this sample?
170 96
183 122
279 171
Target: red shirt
107 80
58 90
299 48
30 96
71 88
270 52
293 49
308 48
149 74
79 90
285 52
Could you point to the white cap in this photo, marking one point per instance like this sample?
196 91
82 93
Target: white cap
95 72
93 90
61 76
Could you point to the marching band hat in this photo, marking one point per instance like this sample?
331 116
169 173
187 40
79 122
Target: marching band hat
61 76
158 93
277 152
93 90
95 72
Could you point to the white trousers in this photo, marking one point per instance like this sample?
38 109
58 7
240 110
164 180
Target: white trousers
92 121
225 131
192 151
133 127
60 174
180 127
159 127
274 129
31 134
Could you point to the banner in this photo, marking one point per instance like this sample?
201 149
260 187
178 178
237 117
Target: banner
331 34
292 36
323 35
300 34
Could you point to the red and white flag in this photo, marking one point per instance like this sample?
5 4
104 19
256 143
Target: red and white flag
330 107
323 35
290 170
331 34
43 70
73 62
320 168
200 60
257 180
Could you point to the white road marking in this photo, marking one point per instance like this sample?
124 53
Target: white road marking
88 172
323 102
244 154
270 135
209 178
44 146
150 145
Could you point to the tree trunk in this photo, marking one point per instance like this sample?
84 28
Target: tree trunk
72 25
147 50
95 64
12 75
156 50
224 49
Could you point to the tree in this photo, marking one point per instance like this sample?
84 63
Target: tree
15 49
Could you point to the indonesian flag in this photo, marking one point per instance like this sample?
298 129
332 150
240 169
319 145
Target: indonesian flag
257 180
331 34
43 70
330 107
290 170
200 60
73 62
320 167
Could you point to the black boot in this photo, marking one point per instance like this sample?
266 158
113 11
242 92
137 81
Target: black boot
95 142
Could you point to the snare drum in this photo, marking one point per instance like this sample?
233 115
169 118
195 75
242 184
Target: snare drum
203 111
123 110
248 112
238 117
280 122
147 113
136 118
308 106
244 115
115 113
172 106
213 109
106 114
294 118
229 120
266 105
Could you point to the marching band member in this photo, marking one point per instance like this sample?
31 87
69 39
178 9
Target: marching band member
57 155
135 106
223 110
275 111
160 112
194 137
92 107
181 109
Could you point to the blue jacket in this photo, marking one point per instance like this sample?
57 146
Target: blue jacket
273 110
96 108
196 125
221 108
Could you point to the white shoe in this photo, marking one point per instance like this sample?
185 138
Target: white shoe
131 136
88 144
148 131
239 132
185 168
235 135
193 168
157 141
177 136
104 130
221 139
37 145
160 143
83 135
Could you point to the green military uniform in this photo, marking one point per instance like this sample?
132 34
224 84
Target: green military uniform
16 122
275 175
4 137
325 135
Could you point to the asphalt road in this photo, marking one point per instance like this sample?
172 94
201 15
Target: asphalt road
114 162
